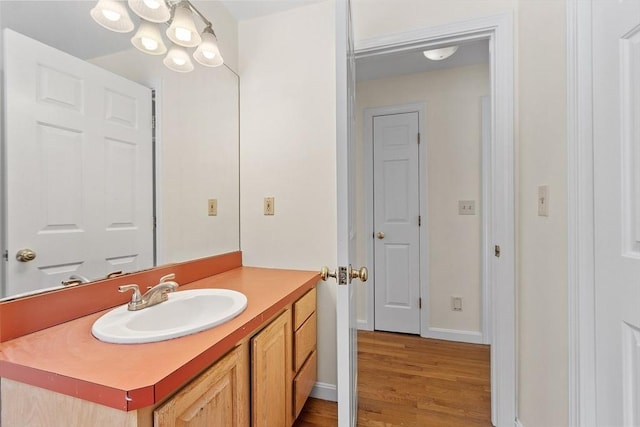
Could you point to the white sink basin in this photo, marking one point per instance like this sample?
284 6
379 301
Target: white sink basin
184 313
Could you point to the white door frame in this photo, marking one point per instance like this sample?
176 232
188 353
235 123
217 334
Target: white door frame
498 29
580 218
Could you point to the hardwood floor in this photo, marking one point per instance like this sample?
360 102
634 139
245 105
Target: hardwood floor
405 380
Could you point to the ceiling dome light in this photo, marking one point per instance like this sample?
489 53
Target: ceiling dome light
183 31
178 60
148 39
112 15
440 54
208 53
151 10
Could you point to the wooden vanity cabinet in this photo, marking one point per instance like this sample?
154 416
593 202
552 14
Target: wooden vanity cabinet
305 361
218 397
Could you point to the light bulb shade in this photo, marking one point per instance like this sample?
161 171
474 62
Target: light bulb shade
112 15
208 53
178 60
182 30
151 10
148 39
440 54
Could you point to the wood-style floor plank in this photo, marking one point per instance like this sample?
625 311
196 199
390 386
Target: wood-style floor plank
405 380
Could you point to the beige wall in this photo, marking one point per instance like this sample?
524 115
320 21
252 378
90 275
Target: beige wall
452 140
288 109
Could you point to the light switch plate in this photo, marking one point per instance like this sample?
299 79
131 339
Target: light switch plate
456 303
212 206
466 207
269 207
543 200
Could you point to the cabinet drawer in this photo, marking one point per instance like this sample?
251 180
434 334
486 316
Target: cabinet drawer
303 383
303 308
304 342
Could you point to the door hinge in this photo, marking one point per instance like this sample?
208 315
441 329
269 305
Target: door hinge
496 250
419 302
6 255
418 138
419 220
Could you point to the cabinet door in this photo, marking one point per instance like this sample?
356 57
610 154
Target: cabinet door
219 397
271 374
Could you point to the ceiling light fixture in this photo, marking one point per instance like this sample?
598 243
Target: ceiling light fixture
181 31
440 54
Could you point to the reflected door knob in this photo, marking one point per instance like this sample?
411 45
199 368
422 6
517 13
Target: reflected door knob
25 255
380 235
362 274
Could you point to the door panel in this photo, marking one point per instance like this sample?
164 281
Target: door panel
616 126
396 216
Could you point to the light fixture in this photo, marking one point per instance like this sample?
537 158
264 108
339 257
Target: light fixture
148 39
151 10
112 15
178 60
207 52
440 54
182 30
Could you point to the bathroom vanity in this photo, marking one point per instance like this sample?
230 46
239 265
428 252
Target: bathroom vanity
256 369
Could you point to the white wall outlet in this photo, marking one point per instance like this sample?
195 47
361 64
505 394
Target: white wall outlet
466 207
269 207
543 200
456 303
212 207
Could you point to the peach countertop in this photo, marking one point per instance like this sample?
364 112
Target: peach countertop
66 358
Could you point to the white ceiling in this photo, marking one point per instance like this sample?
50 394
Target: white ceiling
412 62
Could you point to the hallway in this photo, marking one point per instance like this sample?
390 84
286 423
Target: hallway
405 380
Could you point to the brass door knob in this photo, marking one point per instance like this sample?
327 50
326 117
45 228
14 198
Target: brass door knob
380 235
325 273
362 274
25 255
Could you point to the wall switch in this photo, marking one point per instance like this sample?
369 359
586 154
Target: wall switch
212 207
543 200
269 207
466 207
456 303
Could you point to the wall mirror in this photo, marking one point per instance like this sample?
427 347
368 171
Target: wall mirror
190 185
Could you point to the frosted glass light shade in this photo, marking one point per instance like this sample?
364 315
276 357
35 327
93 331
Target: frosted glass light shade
148 39
112 15
178 60
151 10
208 53
440 54
182 30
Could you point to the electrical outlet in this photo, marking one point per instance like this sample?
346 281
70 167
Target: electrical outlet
466 207
456 303
212 205
269 207
543 200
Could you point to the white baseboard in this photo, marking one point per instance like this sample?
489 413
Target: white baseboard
472 337
518 423
325 391
363 325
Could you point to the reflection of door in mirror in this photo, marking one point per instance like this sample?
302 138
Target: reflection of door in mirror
89 132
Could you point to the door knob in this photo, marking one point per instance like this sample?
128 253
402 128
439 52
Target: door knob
362 274
25 255
380 235
325 273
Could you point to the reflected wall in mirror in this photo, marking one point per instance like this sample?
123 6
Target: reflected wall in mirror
195 157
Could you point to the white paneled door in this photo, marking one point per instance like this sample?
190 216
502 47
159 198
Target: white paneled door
396 222
616 127
79 168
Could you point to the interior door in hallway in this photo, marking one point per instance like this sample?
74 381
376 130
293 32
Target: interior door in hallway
396 222
616 132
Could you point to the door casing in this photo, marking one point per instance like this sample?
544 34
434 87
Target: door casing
498 30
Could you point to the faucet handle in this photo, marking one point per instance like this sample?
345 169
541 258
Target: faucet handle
136 297
170 276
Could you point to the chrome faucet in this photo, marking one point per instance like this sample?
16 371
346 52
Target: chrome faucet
155 295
